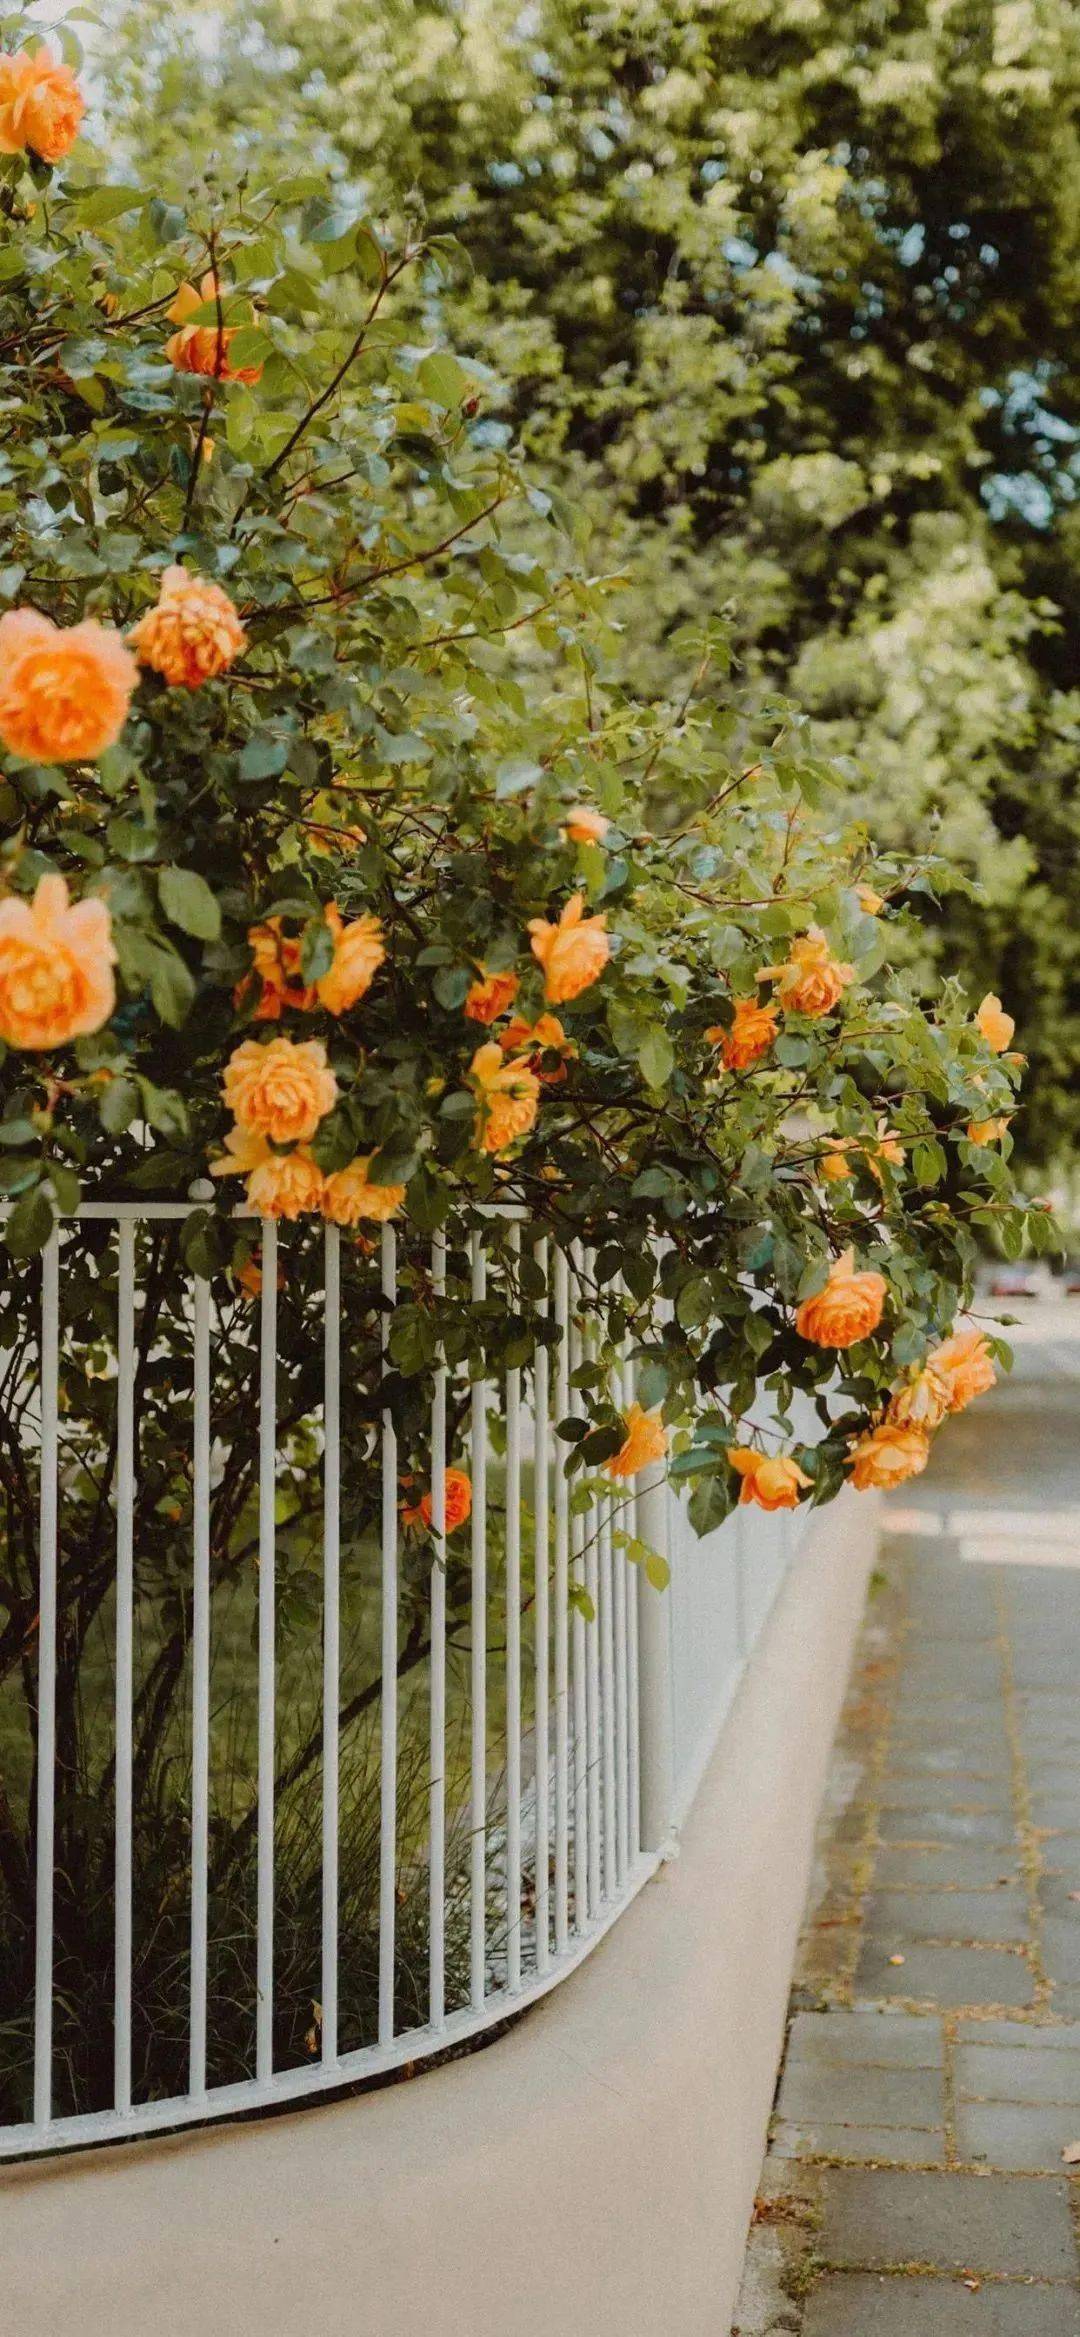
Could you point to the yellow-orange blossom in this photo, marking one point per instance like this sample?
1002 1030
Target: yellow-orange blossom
888 1455
848 1309
280 1091
64 690
193 632
775 1482
509 1094
573 952
56 967
41 105
811 980
644 1443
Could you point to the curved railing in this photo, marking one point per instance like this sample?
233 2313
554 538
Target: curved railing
294 1792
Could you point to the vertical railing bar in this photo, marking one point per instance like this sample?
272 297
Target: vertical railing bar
579 1646
607 1699
622 1740
125 1627
200 1685
513 1655
331 1686
46 1682
478 1637
592 1649
541 1720
633 1678
620 1564
264 2017
389 1725
437 1736
561 1295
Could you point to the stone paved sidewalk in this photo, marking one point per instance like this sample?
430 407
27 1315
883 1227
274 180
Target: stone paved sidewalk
915 2184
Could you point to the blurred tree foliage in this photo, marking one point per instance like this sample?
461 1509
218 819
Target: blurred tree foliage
786 294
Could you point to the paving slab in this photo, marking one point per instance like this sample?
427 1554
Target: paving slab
1011 2073
942 1866
880 2040
862 2097
1061 1947
949 1976
967 1795
872 2146
947 1825
1026 2036
1024 2136
955 2222
855 2304
948 1914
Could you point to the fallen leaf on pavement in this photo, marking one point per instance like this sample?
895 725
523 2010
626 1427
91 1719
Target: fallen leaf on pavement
1071 2154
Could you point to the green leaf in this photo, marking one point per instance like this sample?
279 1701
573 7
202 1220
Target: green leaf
171 986
442 379
264 756
316 949
30 1224
189 903
656 1058
118 1105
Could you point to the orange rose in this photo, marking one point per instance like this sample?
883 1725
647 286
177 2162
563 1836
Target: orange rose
585 826
645 1442
285 1184
348 1196
282 1090
811 980
457 1503
573 953
848 1309
534 1040
751 1034
64 691
490 997
922 1401
996 1026
204 349
56 967
509 1098
359 951
326 838
966 1365
870 902
192 635
277 968
888 1455
41 105
244 1151
834 1166
250 1275
988 1131
773 1484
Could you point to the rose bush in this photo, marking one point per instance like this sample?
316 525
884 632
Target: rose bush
336 864
312 734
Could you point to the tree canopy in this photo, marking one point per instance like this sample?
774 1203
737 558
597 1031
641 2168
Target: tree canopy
784 297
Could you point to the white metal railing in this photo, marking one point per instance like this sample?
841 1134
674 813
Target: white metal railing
583 1703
